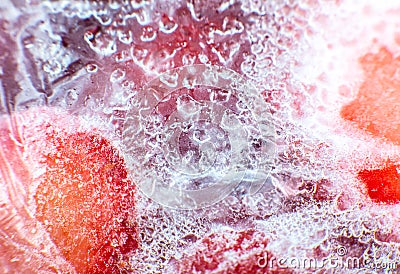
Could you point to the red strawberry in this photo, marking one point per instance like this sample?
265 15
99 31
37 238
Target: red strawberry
375 110
376 107
84 199
383 185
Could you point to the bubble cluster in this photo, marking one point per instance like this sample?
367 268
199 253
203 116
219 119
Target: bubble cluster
164 233
189 147
257 77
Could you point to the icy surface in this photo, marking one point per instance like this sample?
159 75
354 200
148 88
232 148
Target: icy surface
93 58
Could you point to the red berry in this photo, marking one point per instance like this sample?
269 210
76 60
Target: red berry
383 185
376 107
84 200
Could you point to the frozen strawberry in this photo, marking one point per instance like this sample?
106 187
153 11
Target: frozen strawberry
383 185
233 252
84 200
376 108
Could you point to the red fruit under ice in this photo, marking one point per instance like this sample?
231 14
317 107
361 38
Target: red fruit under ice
383 185
376 108
84 199
232 252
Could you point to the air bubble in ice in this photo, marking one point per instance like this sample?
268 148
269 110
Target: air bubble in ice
248 66
148 34
203 58
139 54
117 75
101 43
125 36
122 56
29 42
168 25
71 97
91 68
52 67
103 16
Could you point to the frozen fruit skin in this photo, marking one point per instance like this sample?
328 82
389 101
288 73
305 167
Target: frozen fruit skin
383 185
376 107
231 252
85 200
